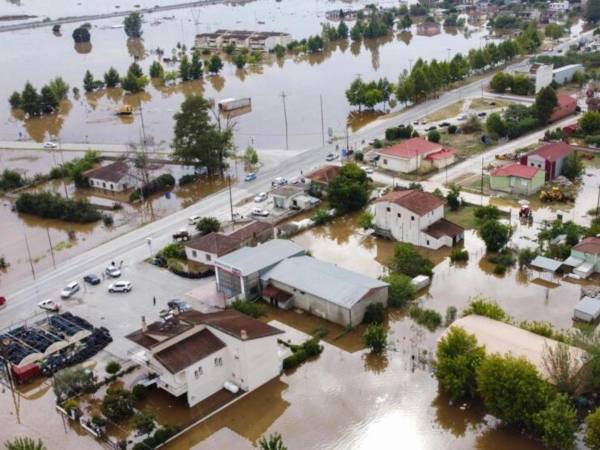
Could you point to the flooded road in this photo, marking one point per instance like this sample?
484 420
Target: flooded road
304 78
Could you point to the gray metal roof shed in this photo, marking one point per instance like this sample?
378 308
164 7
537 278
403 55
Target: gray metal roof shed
588 309
543 263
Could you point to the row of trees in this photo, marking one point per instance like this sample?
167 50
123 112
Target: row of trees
369 94
518 84
46 101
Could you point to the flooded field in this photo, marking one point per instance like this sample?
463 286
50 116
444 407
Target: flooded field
304 78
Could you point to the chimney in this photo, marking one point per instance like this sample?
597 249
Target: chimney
244 335
144 326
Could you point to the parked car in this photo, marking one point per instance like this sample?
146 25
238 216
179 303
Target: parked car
297 180
69 290
50 144
462 117
193 220
49 305
368 170
431 128
444 124
113 272
91 279
237 216
331 157
250 176
179 304
120 286
260 197
159 261
482 114
279 181
182 235
260 212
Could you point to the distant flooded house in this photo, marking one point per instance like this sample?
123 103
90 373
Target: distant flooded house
415 154
429 29
253 40
114 177
415 217
198 354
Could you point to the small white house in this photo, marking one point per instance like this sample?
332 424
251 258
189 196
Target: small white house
114 177
285 197
587 310
415 217
415 154
196 354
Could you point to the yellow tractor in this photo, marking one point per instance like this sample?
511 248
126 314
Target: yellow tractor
124 110
552 194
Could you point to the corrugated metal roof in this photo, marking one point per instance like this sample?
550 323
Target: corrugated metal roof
541 262
327 281
589 305
248 260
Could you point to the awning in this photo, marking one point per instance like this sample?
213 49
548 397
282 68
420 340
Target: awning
572 261
543 263
276 294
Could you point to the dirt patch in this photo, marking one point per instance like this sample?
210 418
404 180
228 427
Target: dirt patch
446 113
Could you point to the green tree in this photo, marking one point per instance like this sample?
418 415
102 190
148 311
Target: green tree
88 82
355 94
494 234
342 30
59 88
208 225
143 422
156 70
81 35
356 33
48 101
557 424
198 141
251 156
196 67
554 31
408 261
590 122
135 80
375 337
133 25
573 166
453 197
545 103
350 190
365 220
15 100
434 136
30 101
405 22
71 382
495 125
592 11
24 443
501 82
511 390
592 431
111 78
184 68
113 367
400 291
215 64
457 359
273 442
522 85
117 404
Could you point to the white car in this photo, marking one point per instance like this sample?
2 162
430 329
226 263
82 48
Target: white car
113 272
260 212
69 290
368 170
279 181
50 144
462 117
331 157
260 197
49 305
194 220
120 286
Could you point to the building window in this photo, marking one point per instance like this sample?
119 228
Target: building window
194 253
427 241
388 209
399 215
103 184
111 186
207 257
385 161
412 218
218 362
198 372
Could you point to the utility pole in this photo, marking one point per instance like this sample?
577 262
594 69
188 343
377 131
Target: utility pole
322 121
598 202
347 139
62 160
482 181
283 96
29 254
230 198
51 249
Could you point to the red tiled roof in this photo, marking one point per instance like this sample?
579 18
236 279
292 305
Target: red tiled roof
553 151
411 147
114 172
416 201
515 170
444 227
215 243
589 245
565 100
251 230
442 154
325 174
189 351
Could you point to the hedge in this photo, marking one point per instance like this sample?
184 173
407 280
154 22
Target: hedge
191 275
300 353
52 206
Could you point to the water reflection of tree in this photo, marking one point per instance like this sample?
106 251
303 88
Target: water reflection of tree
355 48
136 49
343 45
51 124
373 46
375 363
217 82
114 94
241 74
356 120
94 97
501 437
405 36
452 31
83 48
135 100
454 419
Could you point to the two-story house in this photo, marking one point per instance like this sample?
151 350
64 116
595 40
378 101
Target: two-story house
195 354
415 217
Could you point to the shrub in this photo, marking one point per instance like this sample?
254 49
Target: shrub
24 443
483 306
173 250
252 309
557 424
504 257
187 179
526 255
494 234
365 220
408 261
592 432
108 220
71 382
453 197
434 136
113 367
500 269
99 421
117 405
429 318
139 392
143 422
208 225
161 183
9 180
450 315
159 437
391 134
452 129
459 255
359 156
375 338
320 216
116 206
457 359
374 313
274 441
52 206
400 291
300 353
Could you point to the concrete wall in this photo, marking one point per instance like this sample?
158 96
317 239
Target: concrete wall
404 225
200 256
125 184
358 310
404 165
207 376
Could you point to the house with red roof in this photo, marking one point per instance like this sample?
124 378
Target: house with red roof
517 179
566 107
415 154
549 157
415 217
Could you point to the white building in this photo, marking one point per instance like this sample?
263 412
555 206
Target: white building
415 217
114 177
195 354
264 41
565 74
540 74
322 289
559 6
415 154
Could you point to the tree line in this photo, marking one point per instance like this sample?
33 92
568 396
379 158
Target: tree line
46 101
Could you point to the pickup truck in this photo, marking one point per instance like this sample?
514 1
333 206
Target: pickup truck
182 235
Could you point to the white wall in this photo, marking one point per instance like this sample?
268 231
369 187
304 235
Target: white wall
200 256
543 77
124 184
405 225
207 376
404 165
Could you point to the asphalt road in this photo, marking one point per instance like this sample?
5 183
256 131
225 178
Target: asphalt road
139 244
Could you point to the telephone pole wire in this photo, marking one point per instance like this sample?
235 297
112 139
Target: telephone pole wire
283 96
